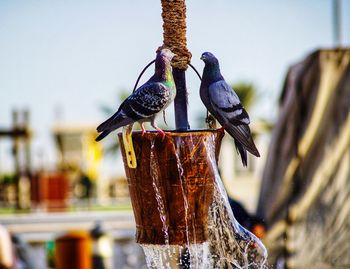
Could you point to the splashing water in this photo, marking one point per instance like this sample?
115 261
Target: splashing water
175 256
161 204
192 255
229 244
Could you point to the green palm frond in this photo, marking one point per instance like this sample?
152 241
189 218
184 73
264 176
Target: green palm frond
246 93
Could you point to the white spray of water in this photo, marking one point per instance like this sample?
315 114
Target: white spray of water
177 257
231 245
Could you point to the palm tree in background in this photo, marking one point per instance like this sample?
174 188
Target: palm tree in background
246 92
248 95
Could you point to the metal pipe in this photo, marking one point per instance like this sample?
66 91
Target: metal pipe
336 9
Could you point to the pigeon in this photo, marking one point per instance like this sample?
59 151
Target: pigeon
146 102
223 103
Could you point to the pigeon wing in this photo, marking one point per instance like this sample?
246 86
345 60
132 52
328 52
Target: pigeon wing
226 102
145 102
231 114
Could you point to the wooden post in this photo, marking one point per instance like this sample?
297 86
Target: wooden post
15 152
336 10
28 160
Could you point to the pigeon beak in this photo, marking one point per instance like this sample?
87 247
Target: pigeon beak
202 58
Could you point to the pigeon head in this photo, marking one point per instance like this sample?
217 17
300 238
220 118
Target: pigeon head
209 58
163 69
211 71
165 55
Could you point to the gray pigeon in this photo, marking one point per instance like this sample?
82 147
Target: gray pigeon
223 103
147 101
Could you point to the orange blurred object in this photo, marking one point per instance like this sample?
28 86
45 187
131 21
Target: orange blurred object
73 251
50 190
259 230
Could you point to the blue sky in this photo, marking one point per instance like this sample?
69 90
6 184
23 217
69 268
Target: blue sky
75 55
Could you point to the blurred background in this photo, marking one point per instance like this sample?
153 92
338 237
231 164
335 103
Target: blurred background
66 66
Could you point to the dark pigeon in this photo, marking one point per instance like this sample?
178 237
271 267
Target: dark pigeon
147 101
223 103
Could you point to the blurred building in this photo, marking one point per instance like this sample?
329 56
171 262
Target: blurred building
80 157
77 148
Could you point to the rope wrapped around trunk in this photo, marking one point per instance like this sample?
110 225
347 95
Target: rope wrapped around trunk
174 31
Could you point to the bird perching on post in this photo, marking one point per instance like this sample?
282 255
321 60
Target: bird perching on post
143 105
174 34
147 101
223 103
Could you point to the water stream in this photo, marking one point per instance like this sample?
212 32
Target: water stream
161 204
229 244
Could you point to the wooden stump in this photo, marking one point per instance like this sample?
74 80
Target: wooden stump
172 187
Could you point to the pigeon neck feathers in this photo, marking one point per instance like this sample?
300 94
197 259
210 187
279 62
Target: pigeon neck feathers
163 70
211 73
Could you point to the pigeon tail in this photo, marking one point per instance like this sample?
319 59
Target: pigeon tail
242 134
111 121
114 122
110 125
242 152
102 135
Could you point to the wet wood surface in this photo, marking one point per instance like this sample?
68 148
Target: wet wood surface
172 187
